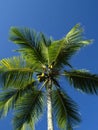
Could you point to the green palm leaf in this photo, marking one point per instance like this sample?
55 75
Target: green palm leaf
7 100
28 40
60 51
44 43
83 80
65 110
27 126
15 72
10 97
29 108
56 50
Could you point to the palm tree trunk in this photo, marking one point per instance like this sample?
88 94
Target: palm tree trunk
49 109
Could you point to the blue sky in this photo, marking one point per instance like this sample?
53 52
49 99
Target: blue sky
55 18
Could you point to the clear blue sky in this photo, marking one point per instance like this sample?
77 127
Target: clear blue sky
55 18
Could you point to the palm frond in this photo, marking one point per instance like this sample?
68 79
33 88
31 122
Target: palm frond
65 110
28 126
83 80
10 97
55 51
29 108
44 43
7 101
69 127
61 51
15 72
29 41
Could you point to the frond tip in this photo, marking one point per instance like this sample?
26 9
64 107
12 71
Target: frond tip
83 80
62 50
7 101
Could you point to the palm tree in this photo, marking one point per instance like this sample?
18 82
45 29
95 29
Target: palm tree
31 81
